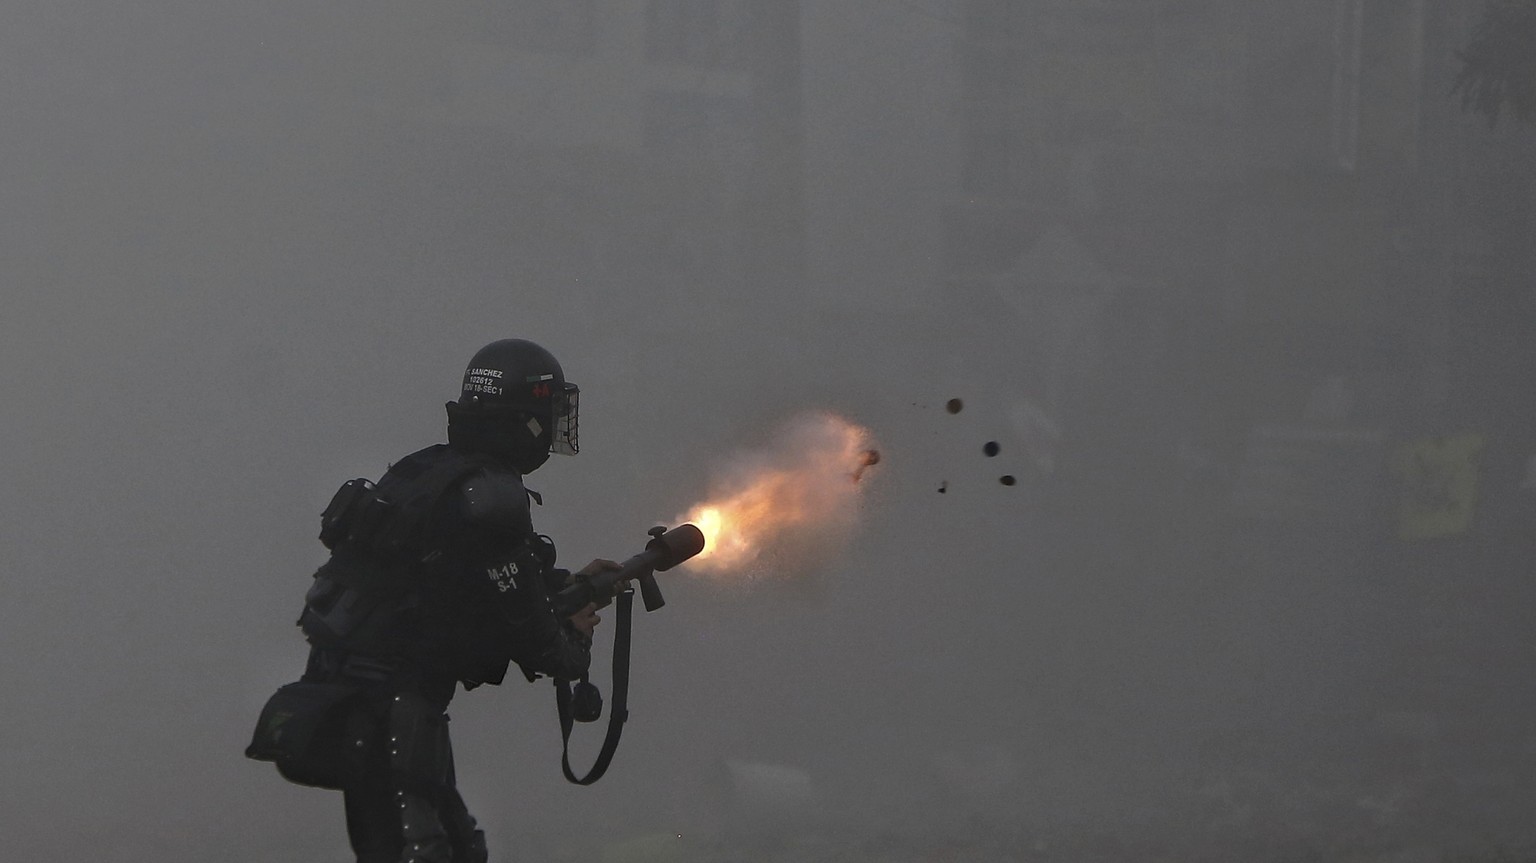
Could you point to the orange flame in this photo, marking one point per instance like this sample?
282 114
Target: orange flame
803 488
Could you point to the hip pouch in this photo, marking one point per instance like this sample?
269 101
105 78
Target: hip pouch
318 734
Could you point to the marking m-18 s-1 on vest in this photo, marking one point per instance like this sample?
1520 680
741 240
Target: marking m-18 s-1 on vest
504 576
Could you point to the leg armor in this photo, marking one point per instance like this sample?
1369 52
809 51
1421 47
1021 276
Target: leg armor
409 810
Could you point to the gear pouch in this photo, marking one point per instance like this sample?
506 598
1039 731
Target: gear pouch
336 523
318 734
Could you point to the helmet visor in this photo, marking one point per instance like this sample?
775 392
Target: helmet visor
567 403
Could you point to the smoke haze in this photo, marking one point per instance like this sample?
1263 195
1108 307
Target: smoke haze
1242 298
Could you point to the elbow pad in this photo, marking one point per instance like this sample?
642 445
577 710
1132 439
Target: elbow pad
496 503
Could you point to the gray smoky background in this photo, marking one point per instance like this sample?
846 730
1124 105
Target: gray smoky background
1239 291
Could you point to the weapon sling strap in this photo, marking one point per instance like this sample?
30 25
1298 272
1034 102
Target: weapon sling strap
617 711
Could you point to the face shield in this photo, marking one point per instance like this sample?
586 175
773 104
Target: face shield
566 404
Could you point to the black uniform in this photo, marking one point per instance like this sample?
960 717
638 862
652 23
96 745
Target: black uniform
448 585
436 578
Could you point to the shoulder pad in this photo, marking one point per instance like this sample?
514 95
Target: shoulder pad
496 500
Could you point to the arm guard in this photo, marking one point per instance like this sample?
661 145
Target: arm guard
537 640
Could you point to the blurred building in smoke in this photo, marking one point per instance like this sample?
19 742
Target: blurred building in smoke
1282 197
1304 260
633 160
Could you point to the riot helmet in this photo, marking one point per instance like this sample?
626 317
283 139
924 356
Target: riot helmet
515 403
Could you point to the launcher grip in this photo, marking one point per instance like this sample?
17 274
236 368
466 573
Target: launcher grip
650 592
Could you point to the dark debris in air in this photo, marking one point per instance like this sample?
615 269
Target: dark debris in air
990 449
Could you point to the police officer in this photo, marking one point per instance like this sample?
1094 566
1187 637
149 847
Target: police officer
436 579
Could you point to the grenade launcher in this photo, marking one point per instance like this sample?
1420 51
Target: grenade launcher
667 549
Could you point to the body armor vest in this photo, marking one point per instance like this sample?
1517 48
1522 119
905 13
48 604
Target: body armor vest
382 539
